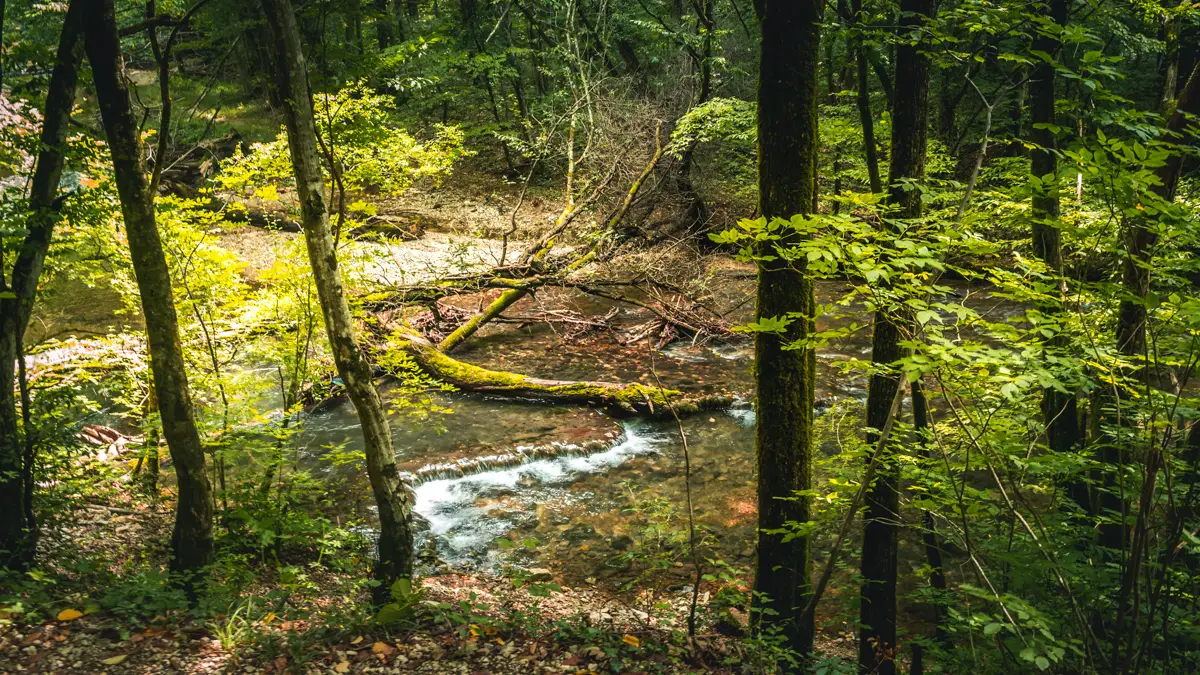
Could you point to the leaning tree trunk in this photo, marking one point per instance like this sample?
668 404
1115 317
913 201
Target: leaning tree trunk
391 496
191 541
910 120
18 529
784 378
1060 411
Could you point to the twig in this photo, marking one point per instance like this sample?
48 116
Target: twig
844 531
687 483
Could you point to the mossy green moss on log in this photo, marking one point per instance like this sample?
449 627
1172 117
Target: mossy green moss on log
627 399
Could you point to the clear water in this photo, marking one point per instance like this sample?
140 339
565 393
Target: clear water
571 477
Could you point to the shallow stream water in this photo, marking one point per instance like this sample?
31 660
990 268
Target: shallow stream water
582 484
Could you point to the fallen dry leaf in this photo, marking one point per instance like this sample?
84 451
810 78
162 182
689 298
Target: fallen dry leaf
343 667
631 640
356 640
382 648
69 615
112 661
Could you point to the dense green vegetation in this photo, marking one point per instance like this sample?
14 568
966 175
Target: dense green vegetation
329 332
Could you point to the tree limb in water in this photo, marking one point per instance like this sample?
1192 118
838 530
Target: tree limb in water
538 252
627 399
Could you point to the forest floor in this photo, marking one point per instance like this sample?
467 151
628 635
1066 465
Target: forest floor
474 624
506 629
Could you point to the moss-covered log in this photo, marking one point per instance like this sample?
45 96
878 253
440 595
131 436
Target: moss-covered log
627 399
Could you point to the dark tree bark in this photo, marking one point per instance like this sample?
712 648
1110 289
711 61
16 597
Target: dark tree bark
1060 411
1 45
885 80
391 496
877 646
784 378
385 31
191 540
18 528
864 101
1140 240
697 213
929 535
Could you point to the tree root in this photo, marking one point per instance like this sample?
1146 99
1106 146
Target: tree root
621 399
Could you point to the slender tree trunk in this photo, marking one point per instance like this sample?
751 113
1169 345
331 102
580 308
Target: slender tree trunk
385 31
947 107
150 449
864 101
1 45
18 530
1140 240
929 536
391 496
877 648
191 541
885 80
1060 411
784 378
697 212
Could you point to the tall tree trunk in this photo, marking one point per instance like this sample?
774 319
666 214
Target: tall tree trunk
1060 411
784 378
947 107
18 529
864 100
929 535
391 496
191 540
697 212
885 80
1 45
1140 240
877 646
385 30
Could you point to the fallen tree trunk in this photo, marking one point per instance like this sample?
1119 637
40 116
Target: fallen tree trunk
626 399
237 212
387 226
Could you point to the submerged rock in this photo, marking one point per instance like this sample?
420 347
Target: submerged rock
621 542
577 534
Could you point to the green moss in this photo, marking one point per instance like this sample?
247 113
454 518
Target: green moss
628 398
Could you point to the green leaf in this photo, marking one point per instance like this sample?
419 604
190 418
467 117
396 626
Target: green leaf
992 628
402 589
768 324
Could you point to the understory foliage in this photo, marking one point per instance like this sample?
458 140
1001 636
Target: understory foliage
631 128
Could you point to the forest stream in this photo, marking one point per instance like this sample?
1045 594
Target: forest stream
577 483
